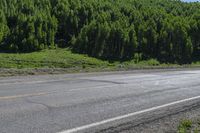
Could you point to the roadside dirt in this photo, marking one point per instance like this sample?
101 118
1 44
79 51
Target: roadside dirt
167 124
44 71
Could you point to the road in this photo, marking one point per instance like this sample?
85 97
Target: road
94 102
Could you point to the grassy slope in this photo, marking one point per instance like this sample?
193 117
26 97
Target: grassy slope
64 58
60 58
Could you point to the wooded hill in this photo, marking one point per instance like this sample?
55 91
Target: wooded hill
166 30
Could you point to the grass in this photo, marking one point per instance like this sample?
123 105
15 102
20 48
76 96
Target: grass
65 59
196 63
188 126
185 126
59 58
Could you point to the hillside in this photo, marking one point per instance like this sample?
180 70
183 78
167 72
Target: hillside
114 30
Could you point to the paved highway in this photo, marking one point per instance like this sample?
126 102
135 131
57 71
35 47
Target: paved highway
98 102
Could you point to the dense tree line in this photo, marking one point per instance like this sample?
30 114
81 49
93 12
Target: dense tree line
167 30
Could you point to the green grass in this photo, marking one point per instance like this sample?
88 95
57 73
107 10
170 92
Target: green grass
65 59
188 126
196 63
59 58
185 126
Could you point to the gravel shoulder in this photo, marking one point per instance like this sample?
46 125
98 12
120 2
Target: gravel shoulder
4 72
168 124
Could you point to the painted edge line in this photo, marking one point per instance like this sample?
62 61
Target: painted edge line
81 128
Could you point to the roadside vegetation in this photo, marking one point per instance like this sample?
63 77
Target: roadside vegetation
188 126
59 61
58 58
64 58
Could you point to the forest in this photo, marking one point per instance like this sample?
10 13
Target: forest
166 30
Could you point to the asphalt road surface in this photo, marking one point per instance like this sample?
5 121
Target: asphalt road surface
98 102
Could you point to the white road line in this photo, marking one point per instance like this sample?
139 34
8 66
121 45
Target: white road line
82 128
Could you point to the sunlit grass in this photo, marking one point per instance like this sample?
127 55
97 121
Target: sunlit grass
64 58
